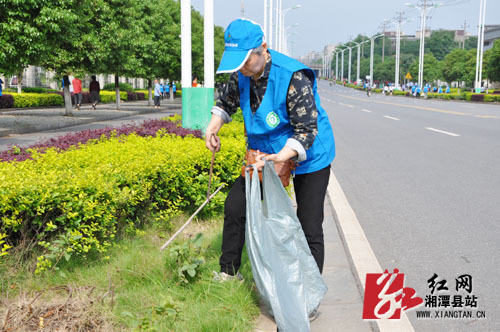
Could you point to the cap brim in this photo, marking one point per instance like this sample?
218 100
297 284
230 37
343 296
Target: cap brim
232 61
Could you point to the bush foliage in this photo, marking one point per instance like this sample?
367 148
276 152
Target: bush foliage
79 200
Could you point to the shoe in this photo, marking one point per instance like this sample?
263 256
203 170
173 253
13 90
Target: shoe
314 314
93 106
223 277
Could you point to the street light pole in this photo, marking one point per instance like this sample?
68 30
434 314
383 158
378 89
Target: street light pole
342 71
372 40
282 26
350 53
209 43
270 24
337 66
186 43
359 60
480 46
276 47
265 18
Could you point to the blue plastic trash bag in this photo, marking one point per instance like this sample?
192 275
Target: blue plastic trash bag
285 272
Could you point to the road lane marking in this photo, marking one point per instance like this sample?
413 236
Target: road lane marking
486 116
359 250
390 117
367 111
442 131
410 106
347 105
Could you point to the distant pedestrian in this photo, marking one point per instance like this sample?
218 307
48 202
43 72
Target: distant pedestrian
447 89
77 90
174 90
157 94
1 82
195 83
162 90
167 90
94 89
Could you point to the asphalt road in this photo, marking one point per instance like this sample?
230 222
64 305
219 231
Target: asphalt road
423 177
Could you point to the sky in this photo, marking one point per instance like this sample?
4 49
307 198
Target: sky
323 22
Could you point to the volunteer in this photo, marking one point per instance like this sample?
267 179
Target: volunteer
283 117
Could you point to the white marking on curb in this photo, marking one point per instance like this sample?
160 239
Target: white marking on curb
360 251
390 117
367 111
442 131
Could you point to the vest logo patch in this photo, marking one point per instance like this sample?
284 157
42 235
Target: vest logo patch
272 120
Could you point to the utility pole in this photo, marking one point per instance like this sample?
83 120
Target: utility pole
423 8
465 26
398 22
384 27
242 8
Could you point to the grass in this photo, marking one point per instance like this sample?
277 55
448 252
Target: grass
137 287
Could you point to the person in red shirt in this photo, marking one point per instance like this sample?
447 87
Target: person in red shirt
77 90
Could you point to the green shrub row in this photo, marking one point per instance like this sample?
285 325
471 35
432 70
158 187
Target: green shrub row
76 202
454 95
123 87
25 100
37 99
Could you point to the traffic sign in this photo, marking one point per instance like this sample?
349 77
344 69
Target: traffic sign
408 76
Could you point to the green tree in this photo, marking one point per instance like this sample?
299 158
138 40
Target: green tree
440 43
28 30
471 43
454 66
492 62
432 68
384 71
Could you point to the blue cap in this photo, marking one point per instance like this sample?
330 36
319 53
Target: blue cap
240 38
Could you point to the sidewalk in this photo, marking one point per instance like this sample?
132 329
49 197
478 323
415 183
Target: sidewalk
342 306
28 126
21 121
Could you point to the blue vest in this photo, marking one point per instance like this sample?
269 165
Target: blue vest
269 127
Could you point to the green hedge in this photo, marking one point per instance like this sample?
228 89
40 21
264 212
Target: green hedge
79 200
37 99
490 98
123 87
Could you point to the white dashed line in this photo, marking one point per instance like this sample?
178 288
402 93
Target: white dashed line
390 117
442 131
367 111
347 105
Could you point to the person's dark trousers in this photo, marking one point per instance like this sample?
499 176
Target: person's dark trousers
157 100
310 191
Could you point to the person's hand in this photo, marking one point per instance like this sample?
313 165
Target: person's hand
212 142
285 154
259 159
